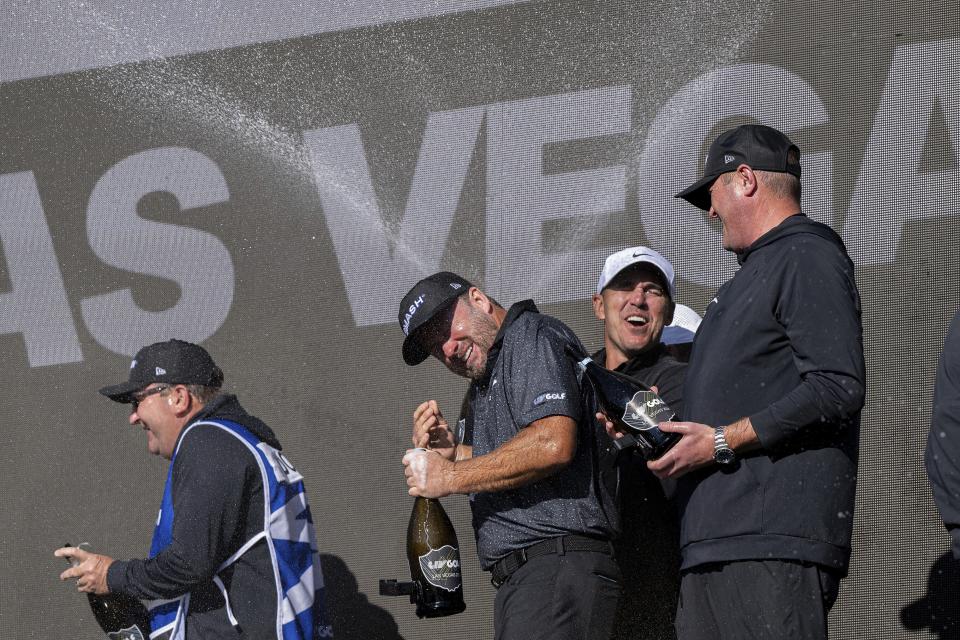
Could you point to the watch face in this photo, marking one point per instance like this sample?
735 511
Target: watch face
724 456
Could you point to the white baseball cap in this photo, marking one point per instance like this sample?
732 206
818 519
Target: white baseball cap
617 262
685 323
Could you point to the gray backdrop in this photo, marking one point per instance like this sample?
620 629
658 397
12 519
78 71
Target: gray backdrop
270 181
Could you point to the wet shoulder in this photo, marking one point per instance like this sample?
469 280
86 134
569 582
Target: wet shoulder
530 327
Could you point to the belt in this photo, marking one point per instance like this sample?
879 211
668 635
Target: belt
506 565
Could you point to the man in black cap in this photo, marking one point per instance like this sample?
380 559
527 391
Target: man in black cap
767 463
937 610
529 458
234 552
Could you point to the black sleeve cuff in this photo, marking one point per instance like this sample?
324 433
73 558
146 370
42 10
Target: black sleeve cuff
117 576
768 432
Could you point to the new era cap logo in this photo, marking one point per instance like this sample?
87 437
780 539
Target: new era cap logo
455 285
159 371
133 364
727 158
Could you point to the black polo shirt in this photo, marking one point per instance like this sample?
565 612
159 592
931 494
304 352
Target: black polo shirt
529 377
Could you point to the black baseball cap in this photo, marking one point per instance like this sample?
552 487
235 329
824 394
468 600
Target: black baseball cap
761 147
425 300
173 362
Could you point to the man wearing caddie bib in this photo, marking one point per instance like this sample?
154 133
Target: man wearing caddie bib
234 553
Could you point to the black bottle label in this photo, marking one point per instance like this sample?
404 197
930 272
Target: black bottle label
131 633
441 567
645 411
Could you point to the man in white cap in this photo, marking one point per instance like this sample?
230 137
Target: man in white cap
635 300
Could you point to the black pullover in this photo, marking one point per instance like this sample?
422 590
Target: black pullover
943 441
781 344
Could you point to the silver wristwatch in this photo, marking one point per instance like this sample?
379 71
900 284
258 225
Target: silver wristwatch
722 453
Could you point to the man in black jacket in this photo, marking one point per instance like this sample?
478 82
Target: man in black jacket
943 441
219 567
768 460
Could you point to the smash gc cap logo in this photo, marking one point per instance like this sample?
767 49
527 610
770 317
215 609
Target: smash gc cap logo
422 303
409 315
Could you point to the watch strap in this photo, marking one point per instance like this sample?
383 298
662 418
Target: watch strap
722 453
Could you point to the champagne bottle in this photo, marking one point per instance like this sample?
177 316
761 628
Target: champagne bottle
434 557
121 616
633 407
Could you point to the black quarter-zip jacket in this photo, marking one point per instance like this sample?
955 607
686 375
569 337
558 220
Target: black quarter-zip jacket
782 344
943 442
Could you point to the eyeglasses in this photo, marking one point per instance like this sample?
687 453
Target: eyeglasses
139 396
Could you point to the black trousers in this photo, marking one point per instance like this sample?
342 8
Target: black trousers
569 596
756 599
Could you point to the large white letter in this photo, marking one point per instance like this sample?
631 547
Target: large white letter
521 198
37 304
891 190
367 249
196 260
673 155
